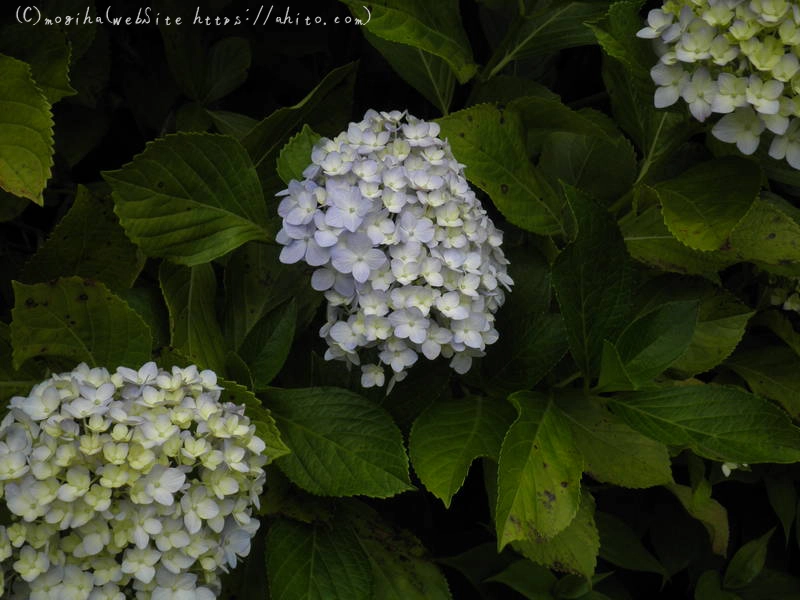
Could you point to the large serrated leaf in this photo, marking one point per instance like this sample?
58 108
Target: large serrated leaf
46 51
432 27
649 241
190 197
612 451
317 562
703 205
342 444
767 235
26 128
721 320
266 347
700 505
491 142
89 242
427 73
449 435
717 422
772 372
264 141
190 294
15 381
651 343
547 30
80 320
401 567
593 283
573 550
539 472
295 156
620 545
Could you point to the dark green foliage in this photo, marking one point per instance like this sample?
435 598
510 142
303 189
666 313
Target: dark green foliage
636 421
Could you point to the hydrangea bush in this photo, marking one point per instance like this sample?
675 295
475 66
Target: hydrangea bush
408 259
137 484
736 58
508 292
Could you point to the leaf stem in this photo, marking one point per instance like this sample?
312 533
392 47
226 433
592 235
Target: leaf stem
565 382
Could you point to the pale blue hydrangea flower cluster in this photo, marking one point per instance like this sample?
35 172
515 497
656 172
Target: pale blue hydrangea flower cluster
139 485
738 58
408 259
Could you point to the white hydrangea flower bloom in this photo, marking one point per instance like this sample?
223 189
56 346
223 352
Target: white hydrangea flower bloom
407 257
737 58
138 484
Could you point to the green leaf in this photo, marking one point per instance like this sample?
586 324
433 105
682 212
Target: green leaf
260 416
721 323
546 31
700 505
709 587
231 123
772 584
427 73
26 128
264 141
491 142
508 88
89 242
620 545
543 115
295 156
15 381
574 550
531 580
80 320
190 294
779 323
401 568
783 499
649 241
657 133
654 341
434 28
255 283
539 472
612 451
449 435
616 35
721 320
702 206
342 444
772 372
747 563
228 63
46 51
717 422
603 167
190 197
267 346
316 562
768 235
592 280
532 341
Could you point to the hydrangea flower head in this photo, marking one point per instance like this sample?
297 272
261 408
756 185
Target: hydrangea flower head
407 257
736 58
138 484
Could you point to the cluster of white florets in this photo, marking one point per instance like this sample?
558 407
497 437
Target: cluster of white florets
408 259
738 58
138 485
